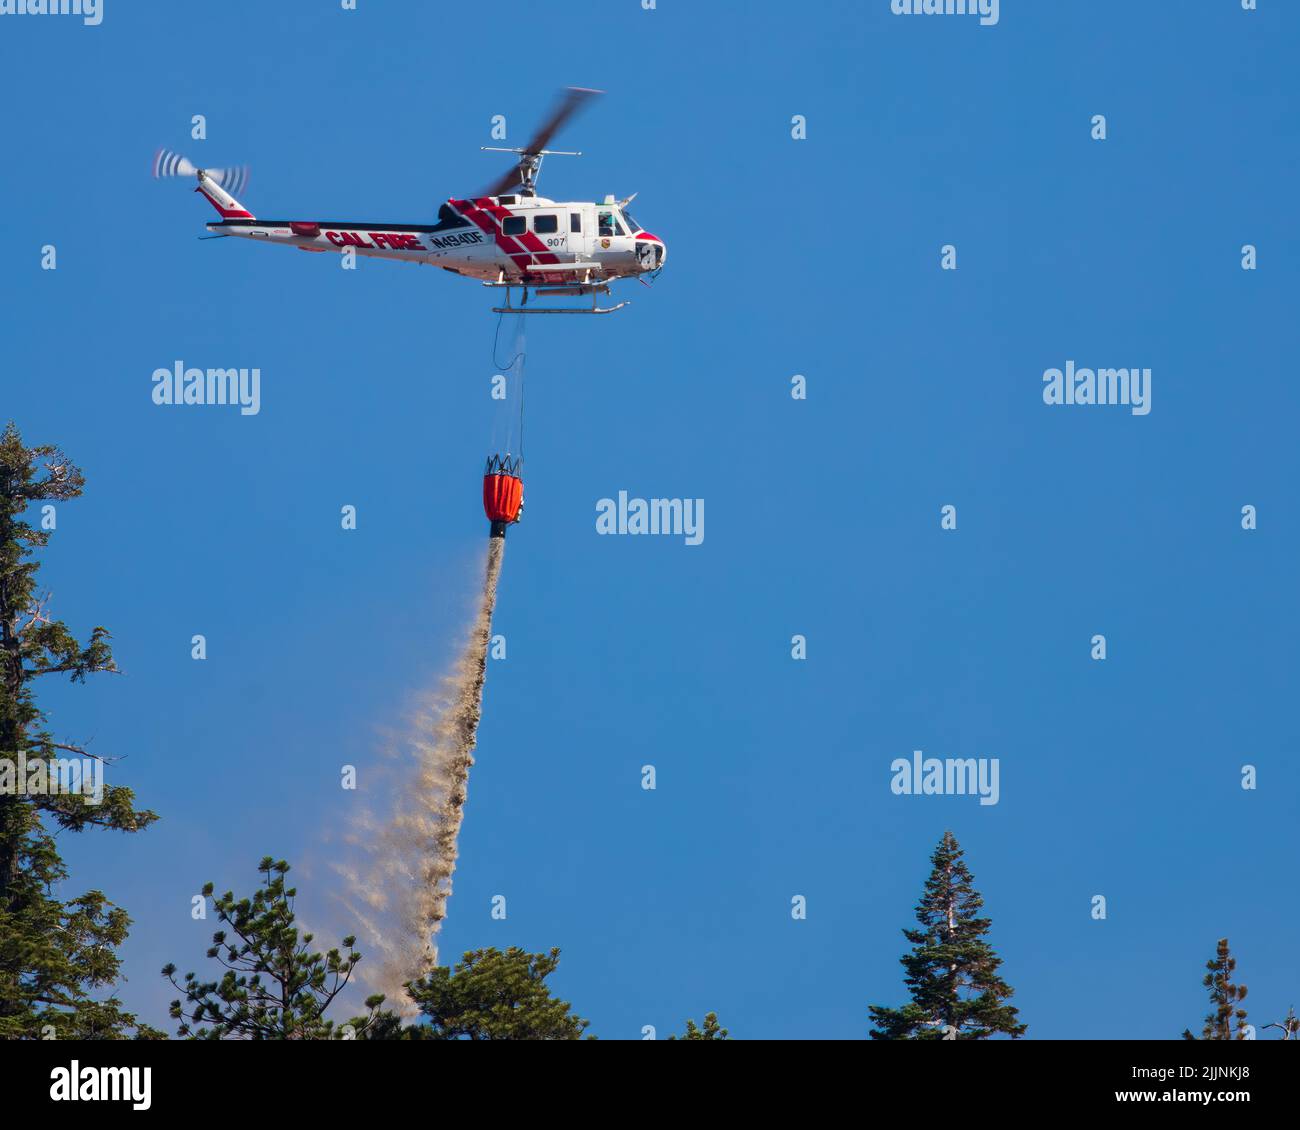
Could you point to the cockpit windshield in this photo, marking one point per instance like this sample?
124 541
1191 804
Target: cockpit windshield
609 222
632 225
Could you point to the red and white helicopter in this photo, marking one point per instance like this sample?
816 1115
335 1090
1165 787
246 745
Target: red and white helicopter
508 236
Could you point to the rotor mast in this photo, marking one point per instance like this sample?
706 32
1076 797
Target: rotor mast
530 164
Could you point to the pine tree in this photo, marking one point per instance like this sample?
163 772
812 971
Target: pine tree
711 1030
1226 1021
378 1025
492 995
274 987
58 959
952 971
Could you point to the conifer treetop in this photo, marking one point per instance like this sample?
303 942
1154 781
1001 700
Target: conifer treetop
951 970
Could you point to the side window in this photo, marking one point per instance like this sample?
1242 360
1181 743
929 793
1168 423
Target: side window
514 225
605 220
575 221
546 225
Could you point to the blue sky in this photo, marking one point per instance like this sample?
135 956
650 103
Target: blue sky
817 257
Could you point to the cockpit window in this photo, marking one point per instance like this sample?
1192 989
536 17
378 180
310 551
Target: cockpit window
605 221
631 223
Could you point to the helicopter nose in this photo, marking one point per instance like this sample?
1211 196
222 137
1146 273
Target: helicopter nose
651 251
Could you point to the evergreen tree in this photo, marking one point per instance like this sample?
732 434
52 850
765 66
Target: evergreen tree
952 971
274 987
378 1025
58 959
1226 1021
492 995
710 1031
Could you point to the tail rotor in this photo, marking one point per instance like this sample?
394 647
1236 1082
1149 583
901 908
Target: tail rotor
168 163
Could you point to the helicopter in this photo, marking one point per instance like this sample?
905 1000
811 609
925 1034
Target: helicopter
507 236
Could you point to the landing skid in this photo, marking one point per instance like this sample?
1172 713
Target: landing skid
577 289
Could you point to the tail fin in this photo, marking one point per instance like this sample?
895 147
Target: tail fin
221 200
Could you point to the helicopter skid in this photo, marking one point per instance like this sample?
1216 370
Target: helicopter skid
594 309
575 290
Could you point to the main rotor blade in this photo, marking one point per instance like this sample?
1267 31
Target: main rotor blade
571 100
503 183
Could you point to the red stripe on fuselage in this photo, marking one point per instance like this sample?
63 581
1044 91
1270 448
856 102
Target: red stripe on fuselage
527 238
485 222
489 216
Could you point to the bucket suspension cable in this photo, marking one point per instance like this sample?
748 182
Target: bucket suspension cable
503 486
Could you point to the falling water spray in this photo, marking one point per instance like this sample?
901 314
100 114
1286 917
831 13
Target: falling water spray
399 890
452 754
399 887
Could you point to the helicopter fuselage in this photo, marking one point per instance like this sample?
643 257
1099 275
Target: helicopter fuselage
519 240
